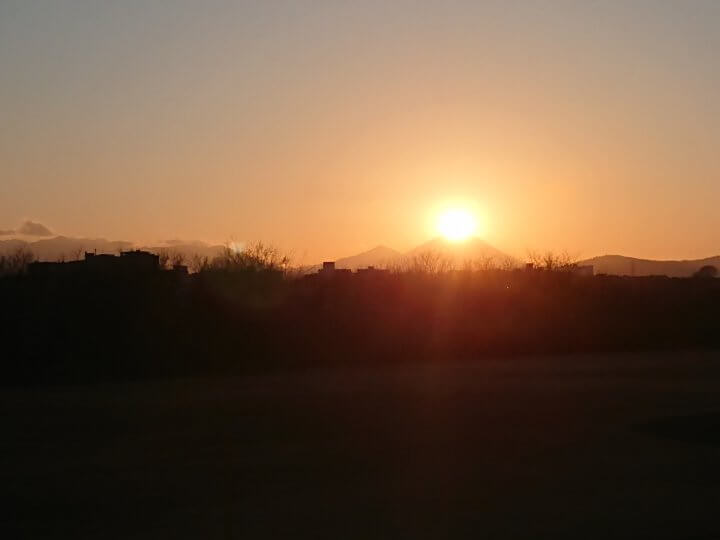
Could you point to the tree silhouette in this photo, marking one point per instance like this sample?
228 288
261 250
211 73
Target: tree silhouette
707 271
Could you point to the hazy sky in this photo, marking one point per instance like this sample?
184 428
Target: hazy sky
330 127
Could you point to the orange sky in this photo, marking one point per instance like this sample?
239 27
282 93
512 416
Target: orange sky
331 127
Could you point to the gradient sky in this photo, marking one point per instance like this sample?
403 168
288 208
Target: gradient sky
328 127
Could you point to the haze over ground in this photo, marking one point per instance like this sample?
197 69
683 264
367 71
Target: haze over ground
331 127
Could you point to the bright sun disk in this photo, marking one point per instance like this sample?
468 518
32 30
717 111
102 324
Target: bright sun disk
456 224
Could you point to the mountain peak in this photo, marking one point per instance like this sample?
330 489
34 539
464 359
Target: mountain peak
472 248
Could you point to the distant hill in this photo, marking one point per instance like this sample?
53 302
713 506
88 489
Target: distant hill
13 244
472 249
630 266
188 250
63 247
382 256
68 248
379 256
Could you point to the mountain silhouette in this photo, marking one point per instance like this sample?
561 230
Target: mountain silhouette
379 256
630 266
188 249
65 248
12 244
68 248
458 252
472 249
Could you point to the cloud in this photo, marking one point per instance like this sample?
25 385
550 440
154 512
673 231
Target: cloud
31 228
6 233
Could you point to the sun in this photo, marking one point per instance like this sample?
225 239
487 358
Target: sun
456 224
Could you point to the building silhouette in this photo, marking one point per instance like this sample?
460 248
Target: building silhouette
128 262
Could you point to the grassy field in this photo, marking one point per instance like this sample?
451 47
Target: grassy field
621 446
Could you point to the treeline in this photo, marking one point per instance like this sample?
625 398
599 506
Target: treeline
248 312
15 262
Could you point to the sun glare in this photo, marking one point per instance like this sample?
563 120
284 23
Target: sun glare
456 224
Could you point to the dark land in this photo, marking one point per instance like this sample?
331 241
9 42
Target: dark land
242 402
577 446
112 318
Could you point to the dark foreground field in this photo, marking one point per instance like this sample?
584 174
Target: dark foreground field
623 446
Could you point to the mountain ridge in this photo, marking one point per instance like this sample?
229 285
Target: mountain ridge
382 256
63 247
622 265
69 248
